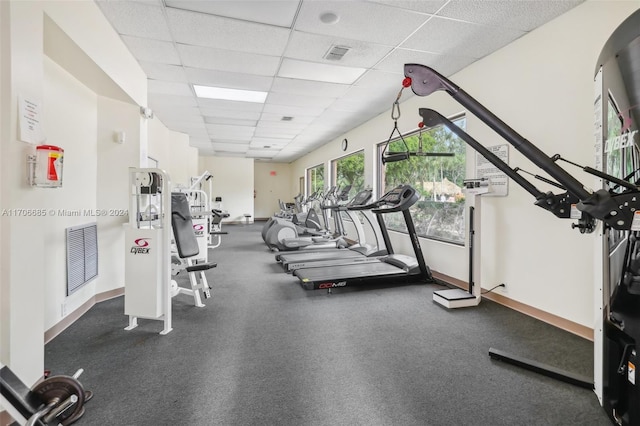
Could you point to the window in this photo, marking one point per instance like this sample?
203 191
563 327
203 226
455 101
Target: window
349 170
440 213
315 179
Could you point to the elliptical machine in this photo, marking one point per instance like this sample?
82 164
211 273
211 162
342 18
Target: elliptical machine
287 236
305 221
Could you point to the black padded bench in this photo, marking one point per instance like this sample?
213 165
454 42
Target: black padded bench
187 247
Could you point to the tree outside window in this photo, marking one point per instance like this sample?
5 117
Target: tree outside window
440 212
315 179
349 170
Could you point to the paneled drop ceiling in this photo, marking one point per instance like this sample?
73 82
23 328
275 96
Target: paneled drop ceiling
326 66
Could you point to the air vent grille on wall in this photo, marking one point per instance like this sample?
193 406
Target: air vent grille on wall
82 255
336 53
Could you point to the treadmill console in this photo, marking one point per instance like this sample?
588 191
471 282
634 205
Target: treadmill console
400 198
360 198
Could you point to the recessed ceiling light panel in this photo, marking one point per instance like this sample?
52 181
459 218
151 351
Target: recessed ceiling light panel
210 92
303 70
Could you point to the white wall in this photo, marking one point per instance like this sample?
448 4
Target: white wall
173 152
114 161
542 86
66 56
74 129
5 135
233 181
271 183
77 35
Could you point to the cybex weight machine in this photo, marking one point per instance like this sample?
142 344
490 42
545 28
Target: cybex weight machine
616 205
157 219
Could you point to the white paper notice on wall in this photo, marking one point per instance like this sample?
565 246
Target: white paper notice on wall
29 121
485 169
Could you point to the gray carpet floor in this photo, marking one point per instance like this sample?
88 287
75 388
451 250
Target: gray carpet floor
266 352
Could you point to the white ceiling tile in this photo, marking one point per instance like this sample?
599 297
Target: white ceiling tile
287 125
213 31
246 54
228 60
372 22
230 147
227 113
156 71
262 153
221 131
441 35
424 6
231 154
292 68
275 133
232 80
308 87
331 119
272 12
169 88
301 120
345 105
275 98
229 138
292 111
159 51
444 64
136 19
314 47
363 94
374 79
521 15
230 121
258 142
229 105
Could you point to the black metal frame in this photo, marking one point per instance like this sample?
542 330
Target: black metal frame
614 208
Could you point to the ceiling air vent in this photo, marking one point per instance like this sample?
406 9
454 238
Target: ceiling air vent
336 53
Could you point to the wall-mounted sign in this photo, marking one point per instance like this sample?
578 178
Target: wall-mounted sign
484 169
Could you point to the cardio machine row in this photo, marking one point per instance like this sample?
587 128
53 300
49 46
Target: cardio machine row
362 263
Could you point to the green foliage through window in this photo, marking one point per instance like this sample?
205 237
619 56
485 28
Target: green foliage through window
315 179
349 170
440 212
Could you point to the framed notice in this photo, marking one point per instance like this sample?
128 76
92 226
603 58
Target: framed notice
484 169
29 121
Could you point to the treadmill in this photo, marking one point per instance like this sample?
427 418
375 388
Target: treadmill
354 253
390 269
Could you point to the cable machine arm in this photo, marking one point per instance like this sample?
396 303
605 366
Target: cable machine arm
559 205
615 209
425 81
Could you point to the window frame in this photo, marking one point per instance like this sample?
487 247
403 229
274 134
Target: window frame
381 177
309 179
333 166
